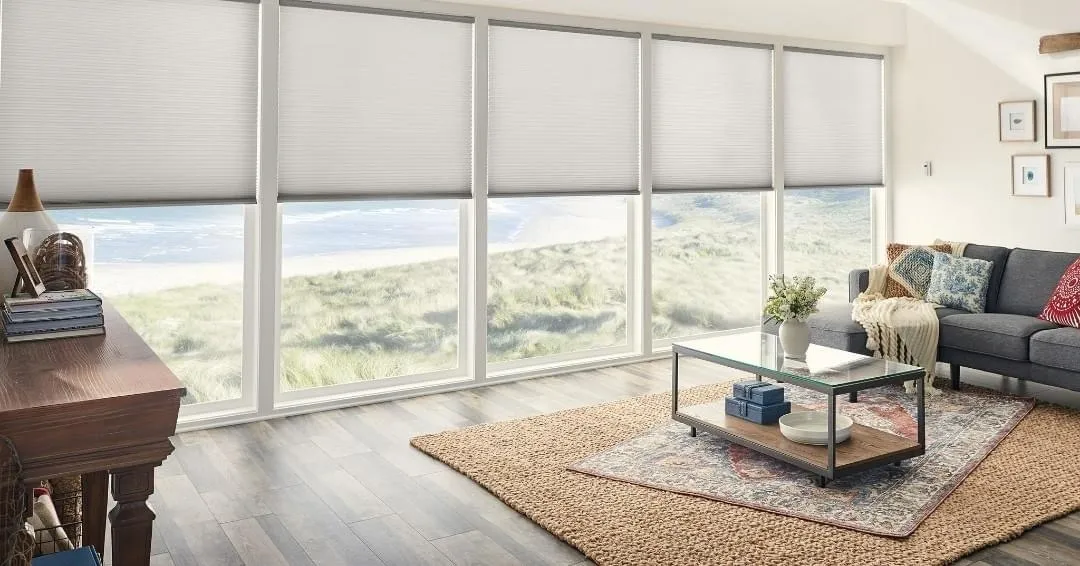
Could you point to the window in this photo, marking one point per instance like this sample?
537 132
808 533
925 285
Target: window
827 233
176 275
557 275
706 262
369 291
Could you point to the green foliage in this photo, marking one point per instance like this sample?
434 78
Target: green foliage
795 299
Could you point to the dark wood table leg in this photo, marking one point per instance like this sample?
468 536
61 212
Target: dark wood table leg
132 519
95 501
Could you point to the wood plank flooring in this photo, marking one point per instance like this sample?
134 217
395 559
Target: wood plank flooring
344 487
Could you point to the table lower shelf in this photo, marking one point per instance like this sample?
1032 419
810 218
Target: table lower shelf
867 447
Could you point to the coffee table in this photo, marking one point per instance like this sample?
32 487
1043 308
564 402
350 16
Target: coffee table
825 370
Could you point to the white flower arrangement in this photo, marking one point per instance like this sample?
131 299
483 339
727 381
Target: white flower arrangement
794 299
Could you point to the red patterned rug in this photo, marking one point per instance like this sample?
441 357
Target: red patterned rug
962 428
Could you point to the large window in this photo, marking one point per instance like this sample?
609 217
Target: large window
176 274
827 233
706 262
369 291
358 200
557 275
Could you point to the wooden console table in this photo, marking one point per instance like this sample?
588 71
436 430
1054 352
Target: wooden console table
99 406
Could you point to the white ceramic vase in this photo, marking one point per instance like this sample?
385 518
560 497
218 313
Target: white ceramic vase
24 211
795 338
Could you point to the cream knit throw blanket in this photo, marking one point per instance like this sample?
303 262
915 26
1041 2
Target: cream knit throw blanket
900 328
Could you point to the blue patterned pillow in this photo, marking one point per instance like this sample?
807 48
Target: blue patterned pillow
959 282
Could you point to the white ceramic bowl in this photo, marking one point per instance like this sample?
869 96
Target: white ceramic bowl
812 427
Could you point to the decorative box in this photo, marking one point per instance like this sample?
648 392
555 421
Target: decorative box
759 392
754 412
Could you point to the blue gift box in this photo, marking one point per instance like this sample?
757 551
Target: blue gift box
760 392
754 412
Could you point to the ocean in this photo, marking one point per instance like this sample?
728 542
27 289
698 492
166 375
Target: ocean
215 233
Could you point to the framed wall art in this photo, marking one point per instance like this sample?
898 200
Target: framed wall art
1031 175
1016 120
1062 107
1072 194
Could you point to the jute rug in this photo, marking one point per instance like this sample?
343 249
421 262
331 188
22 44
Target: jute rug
962 427
1033 476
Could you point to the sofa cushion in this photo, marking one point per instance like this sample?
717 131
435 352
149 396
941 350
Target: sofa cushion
959 282
1029 278
909 269
1002 335
996 255
1063 307
1058 348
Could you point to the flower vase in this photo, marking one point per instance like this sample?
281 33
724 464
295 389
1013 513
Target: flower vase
23 212
795 338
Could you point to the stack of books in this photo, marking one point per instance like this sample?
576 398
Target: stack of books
53 314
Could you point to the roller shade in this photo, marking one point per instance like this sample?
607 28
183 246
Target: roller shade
712 115
130 101
833 119
373 104
563 111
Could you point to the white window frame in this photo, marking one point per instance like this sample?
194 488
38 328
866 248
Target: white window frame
262 396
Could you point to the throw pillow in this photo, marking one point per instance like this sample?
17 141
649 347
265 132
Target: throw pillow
959 282
1064 305
909 269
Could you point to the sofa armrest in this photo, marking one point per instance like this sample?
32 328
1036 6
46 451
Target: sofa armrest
858 281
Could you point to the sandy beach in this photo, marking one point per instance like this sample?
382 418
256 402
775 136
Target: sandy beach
127 278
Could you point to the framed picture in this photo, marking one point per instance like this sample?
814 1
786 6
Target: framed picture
1031 175
1062 91
28 280
1016 120
1072 194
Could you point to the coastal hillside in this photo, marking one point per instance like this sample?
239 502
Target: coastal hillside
366 324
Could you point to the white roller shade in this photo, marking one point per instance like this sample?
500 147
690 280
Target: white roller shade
711 115
833 119
563 111
114 101
373 104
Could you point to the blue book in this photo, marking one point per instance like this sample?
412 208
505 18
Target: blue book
51 314
84 556
20 328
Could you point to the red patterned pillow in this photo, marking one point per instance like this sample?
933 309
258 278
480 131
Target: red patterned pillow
1064 304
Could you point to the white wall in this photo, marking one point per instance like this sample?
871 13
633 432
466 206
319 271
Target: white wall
960 59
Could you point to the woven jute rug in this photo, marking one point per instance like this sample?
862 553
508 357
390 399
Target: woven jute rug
962 427
1033 476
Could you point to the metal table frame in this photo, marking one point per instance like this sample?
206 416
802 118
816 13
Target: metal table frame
829 472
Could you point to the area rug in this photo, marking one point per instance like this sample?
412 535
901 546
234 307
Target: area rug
961 429
1030 478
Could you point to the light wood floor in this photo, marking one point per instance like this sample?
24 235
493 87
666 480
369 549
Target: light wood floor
344 487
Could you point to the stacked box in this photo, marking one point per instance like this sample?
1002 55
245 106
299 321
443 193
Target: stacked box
757 401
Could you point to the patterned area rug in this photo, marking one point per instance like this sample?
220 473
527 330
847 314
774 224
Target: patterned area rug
1030 478
962 428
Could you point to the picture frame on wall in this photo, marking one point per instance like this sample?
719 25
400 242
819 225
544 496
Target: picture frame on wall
1016 121
1062 109
1071 188
1031 175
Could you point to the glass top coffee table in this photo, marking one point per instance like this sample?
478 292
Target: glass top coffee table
825 370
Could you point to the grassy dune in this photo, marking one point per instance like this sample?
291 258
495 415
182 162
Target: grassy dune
367 324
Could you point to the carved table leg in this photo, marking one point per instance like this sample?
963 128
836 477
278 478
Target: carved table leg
132 519
95 487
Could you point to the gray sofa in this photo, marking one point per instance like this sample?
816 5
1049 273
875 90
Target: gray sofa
1007 339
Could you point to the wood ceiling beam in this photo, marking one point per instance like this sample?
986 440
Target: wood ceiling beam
1060 42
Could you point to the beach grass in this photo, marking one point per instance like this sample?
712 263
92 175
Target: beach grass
364 324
